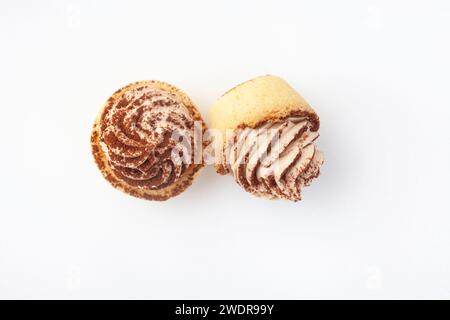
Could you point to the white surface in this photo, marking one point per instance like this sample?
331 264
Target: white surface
375 225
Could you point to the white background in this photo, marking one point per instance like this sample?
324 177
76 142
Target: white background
375 224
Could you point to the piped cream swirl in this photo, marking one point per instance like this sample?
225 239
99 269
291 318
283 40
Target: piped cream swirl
276 159
136 136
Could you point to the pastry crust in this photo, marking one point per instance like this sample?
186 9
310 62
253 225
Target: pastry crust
258 100
103 164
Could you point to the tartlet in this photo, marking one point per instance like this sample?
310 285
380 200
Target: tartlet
136 140
268 133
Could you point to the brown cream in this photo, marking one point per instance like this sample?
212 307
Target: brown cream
136 137
276 159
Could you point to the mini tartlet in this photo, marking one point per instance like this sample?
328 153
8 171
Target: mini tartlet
132 140
268 133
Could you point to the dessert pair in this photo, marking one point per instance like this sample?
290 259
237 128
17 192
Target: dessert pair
150 141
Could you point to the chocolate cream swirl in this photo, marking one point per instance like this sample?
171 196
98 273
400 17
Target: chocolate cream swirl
276 159
136 137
